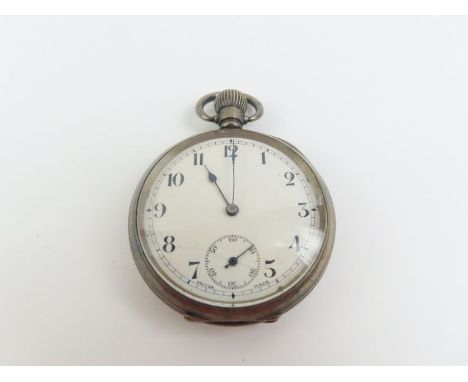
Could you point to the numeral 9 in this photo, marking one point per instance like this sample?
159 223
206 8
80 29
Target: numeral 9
159 210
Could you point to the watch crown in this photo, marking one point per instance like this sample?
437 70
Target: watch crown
231 108
231 97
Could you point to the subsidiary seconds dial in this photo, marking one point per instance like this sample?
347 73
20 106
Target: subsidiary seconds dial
232 262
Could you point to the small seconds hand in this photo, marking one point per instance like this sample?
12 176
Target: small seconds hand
233 260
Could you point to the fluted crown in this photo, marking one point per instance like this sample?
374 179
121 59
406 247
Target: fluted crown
231 97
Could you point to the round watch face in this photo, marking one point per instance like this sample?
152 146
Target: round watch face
233 220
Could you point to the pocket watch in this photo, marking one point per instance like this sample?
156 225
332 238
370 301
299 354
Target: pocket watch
231 226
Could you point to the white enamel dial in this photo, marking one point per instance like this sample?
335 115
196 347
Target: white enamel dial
231 222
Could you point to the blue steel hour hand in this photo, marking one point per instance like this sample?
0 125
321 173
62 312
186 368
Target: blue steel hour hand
231 208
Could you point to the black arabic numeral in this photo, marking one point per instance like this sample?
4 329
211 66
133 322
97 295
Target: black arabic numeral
169 245
290 177
295 244
270 272
253 272
304 212
212 249
197 263
263 158
230 151
198 159
159 210
176 179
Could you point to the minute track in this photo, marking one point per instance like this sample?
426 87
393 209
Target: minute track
202 285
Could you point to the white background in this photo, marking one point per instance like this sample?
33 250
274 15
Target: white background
378 104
